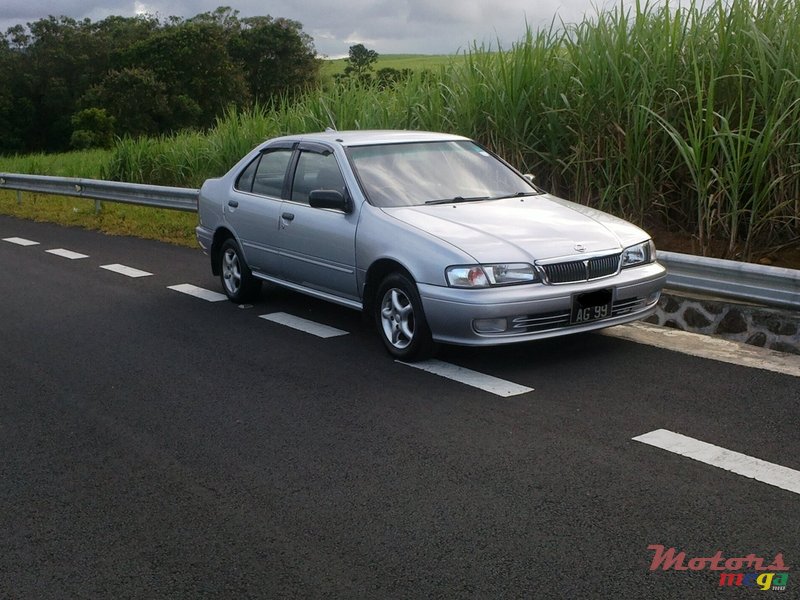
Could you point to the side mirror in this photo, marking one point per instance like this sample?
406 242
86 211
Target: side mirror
529 177
329 199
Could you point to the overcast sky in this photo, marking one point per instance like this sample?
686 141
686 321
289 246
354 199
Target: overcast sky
387 26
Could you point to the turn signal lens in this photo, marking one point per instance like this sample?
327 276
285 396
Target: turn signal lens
467 277
472 276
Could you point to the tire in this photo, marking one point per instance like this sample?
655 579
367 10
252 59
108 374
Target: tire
237 281
401 321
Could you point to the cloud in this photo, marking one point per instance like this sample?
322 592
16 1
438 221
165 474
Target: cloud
387 26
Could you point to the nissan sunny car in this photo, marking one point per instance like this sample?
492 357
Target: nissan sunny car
435 237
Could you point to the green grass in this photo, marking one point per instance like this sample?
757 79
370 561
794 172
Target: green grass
414 62
115 219
84 163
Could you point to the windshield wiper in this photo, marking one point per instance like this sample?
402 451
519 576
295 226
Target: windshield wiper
457 199
517 195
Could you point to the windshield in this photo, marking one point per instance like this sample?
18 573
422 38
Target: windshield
411 174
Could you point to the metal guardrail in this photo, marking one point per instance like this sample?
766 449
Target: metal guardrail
159 196
744 281
773 286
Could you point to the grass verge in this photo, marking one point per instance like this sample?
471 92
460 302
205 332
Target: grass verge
115 219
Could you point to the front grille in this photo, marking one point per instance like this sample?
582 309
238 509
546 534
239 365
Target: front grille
582 270
559 319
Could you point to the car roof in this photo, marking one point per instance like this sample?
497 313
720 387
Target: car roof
372 137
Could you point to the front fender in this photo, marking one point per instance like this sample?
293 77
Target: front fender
425 257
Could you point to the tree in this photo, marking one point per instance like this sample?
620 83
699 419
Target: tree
13 116
277 57
192 61
136 100
148 75
359 63
388 77
17 37
53 63
92 128
223 16
52 71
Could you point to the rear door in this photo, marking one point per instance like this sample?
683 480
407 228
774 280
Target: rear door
254 207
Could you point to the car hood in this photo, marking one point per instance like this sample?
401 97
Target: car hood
526 229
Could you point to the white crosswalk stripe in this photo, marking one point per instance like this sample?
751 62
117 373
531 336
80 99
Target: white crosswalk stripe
317 329
488 383
198 292
735 462
125 270
20 241
63 253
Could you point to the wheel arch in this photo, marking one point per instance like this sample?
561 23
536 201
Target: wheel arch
220 235
375 275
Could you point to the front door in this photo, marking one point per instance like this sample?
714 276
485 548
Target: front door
318 244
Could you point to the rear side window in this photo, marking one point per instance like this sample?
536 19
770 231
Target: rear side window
265 175
245 181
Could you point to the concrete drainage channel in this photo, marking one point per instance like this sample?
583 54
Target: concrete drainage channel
773 328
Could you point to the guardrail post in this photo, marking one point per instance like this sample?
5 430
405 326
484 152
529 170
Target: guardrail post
19 196
97 206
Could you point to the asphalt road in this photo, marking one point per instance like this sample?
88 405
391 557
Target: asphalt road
156 445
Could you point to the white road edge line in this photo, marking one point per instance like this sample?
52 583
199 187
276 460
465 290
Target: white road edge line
304 325
67 253
124 270
20 241
706 346
198 292
741 464
487 383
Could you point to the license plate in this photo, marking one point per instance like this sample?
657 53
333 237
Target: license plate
591 306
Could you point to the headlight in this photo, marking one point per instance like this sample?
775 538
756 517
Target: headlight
640 254
477 276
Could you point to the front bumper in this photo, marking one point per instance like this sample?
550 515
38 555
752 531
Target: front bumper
536 311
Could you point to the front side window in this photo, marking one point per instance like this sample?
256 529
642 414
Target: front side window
411 174
316 171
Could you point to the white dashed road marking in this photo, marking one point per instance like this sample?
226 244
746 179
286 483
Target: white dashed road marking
475 379
741 464
198 292
20 241
317 329
706 346
67 253
123 270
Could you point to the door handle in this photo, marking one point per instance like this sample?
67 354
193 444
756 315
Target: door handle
233 203
287 216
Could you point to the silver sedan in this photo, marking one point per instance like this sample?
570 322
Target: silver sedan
434 236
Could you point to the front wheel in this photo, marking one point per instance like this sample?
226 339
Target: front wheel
237 280
400 320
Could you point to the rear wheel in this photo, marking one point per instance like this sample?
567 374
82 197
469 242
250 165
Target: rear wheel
237 280
400 320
